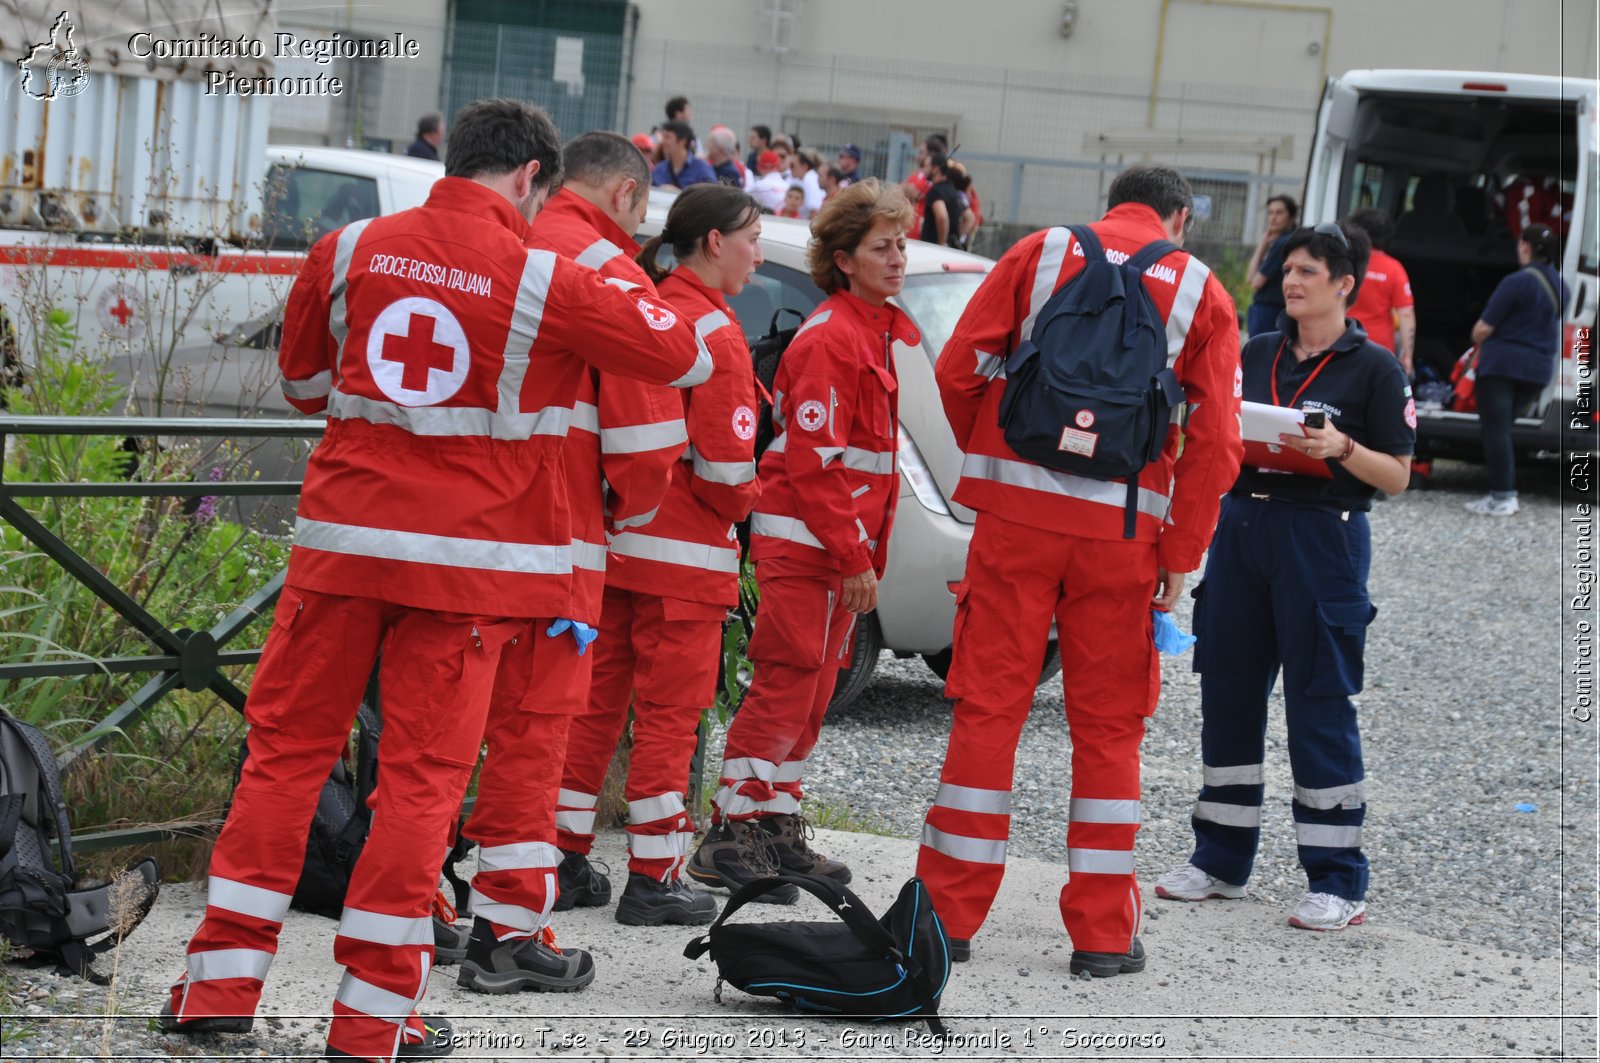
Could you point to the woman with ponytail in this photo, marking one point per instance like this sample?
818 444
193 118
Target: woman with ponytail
669 582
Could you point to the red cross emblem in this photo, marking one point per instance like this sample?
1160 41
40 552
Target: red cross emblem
657 317
122 312
744 422
417 352
811 415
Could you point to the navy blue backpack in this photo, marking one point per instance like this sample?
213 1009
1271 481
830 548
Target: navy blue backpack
1090 391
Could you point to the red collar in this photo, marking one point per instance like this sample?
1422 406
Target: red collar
568 204
886 318
470 197
684 277
1140 215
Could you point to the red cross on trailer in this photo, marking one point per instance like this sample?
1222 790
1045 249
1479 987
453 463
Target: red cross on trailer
122 312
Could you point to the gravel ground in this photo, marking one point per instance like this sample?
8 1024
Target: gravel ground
1461 722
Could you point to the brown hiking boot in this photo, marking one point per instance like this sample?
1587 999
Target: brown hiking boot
791 837
735 852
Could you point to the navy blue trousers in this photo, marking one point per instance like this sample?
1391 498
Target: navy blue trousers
1285 591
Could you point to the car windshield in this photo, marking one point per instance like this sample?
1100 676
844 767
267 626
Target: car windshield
935 302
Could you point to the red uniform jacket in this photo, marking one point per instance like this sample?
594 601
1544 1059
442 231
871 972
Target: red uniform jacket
626 434
1179 496
448 357
689 551
829 482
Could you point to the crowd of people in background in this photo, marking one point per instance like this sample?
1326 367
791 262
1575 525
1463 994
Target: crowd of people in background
792 180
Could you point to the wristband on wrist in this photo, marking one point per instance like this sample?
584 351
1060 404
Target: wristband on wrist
1349 448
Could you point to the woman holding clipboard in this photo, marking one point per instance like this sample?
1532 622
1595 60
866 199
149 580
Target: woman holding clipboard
1285 589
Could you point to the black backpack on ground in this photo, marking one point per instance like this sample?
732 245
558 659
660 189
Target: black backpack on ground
41 906
855 966
1091 391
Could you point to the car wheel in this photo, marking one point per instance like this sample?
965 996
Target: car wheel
939 662
865 647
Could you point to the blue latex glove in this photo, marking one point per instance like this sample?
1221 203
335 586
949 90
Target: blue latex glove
1169 639
582 633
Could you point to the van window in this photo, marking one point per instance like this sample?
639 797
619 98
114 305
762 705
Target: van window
774 288
303 204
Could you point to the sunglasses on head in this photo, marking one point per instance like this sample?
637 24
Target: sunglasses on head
1329 228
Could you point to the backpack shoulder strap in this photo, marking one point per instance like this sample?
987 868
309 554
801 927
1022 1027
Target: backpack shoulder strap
1092 248
1544 282
1150 254
846 905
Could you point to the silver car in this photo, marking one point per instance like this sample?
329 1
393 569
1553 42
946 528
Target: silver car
928 549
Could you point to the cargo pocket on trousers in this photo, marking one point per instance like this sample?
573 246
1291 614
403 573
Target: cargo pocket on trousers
953 687
1202 644
460 685
285 665
1338 665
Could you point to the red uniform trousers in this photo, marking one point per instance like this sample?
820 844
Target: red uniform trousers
1098 591
663 655
437 673
542 683
801 640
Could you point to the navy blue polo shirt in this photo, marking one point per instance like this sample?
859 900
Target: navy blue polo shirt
1271 293
1360 387
696 171
1527 326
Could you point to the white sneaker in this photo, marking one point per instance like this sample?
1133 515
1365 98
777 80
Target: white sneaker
1490 506
1189 883
1324 911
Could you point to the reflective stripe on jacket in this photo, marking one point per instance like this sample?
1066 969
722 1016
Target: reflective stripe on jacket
454 355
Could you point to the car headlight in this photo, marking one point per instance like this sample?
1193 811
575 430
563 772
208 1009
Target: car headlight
918 475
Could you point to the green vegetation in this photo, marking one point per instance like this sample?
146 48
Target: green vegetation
177 559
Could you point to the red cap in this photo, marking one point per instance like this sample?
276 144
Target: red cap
643 142
767 160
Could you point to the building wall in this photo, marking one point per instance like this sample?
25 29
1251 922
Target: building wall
384 98
1227 88
1240 42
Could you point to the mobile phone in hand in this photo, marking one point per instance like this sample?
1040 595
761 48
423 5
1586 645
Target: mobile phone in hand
1316 419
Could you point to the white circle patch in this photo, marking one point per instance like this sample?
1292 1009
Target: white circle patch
811 415
744 423
418 352
1085 418
657 317
1411 413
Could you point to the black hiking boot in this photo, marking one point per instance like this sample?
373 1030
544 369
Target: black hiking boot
647 902
1107 964
581 885
534 963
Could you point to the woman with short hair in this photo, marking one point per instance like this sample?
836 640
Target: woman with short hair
819 536
1285 590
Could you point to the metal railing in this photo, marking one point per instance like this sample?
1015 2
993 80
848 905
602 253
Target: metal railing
181 658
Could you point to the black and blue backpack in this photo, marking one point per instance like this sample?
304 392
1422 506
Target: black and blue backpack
45 907
853 967
1090 390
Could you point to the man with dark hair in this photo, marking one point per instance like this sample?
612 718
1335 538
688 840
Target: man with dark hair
849 159
431 525
1385 295
760 140
916 186
680 110
941 218
618 459
679 167
1053 546
430 134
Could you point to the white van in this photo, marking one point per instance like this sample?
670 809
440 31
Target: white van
1464 137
